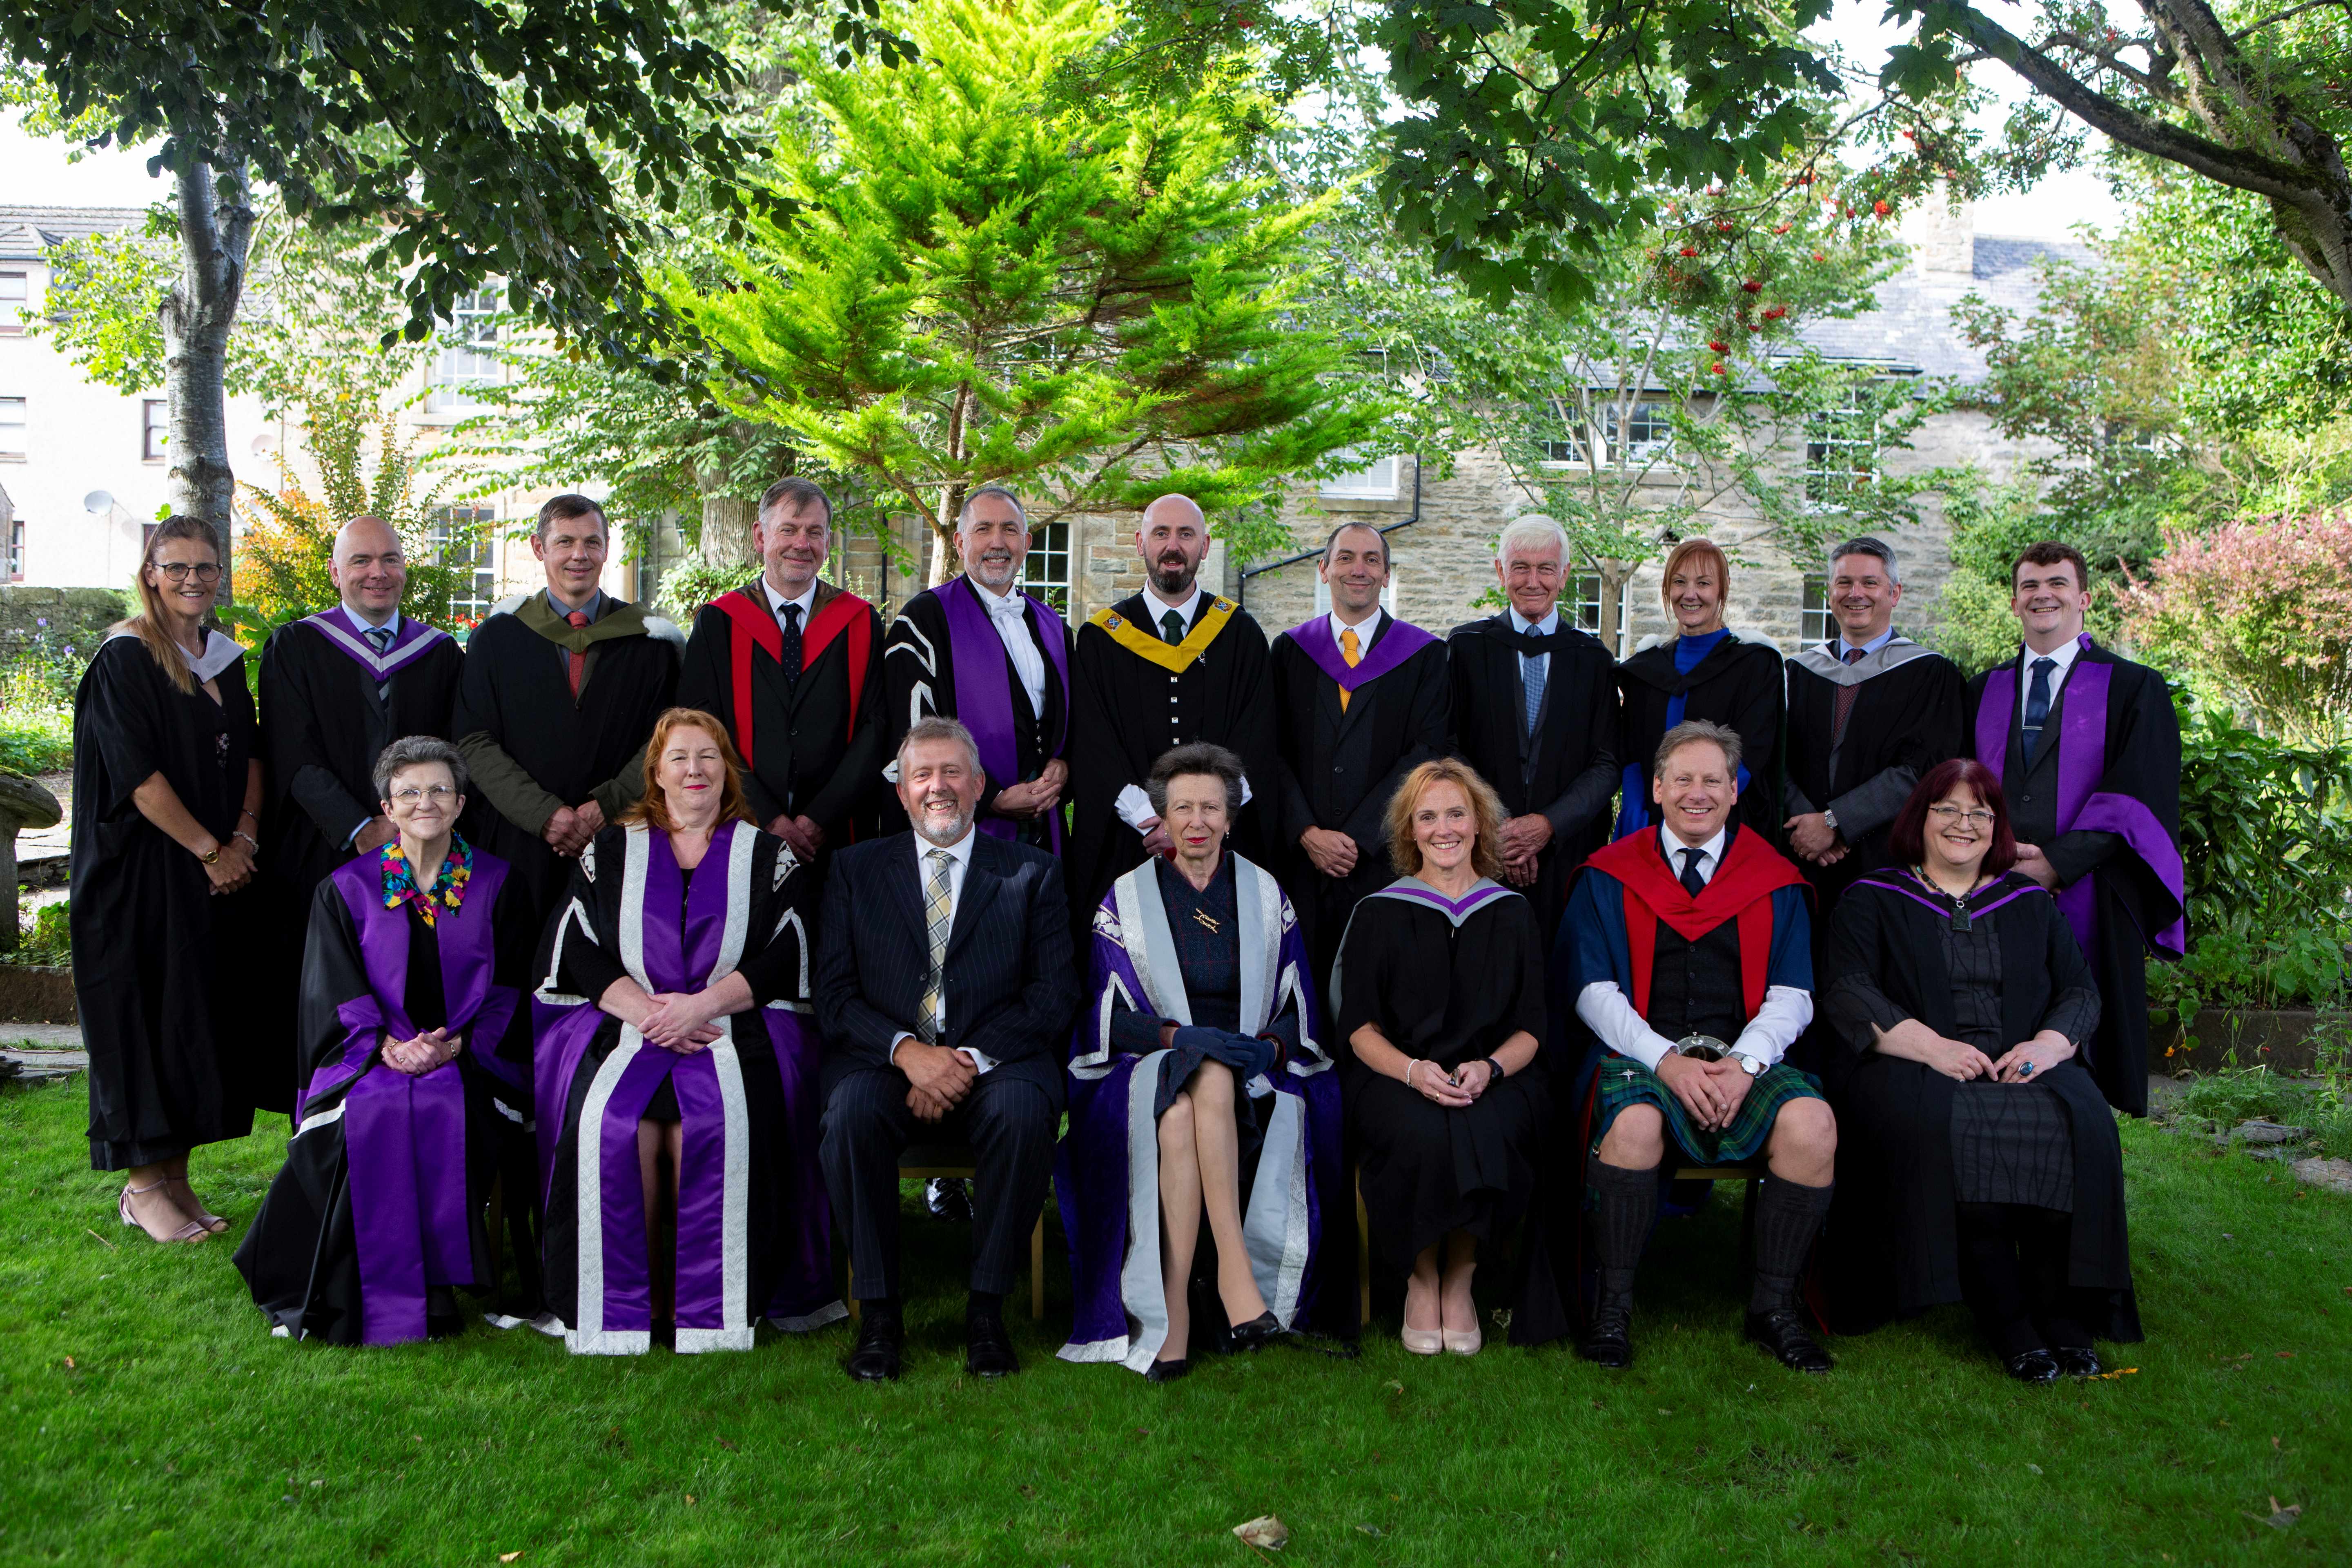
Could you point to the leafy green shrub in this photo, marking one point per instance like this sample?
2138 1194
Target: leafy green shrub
36 696
2216 1101
48 941
686 589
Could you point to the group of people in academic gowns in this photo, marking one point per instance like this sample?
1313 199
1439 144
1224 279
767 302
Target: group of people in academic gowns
1288 991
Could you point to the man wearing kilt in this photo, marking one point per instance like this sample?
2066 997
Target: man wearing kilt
1679 940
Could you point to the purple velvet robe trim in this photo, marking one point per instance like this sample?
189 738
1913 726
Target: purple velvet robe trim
983 690
2082 807
1315 640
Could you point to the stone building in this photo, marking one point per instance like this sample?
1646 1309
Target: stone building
1443 530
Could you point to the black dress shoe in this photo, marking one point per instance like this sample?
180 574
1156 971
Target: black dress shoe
881 1337
2076 1361
948 1197
2036 1366
1609 1338
1167 1371
1782 1332
1256 1335
988 1348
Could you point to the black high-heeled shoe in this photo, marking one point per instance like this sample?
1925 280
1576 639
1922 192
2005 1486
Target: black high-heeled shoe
1256 1335
2036 1366
2076 1361
1167 1371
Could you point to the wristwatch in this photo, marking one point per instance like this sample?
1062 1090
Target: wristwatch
1494 1069
1829 818
212 856
1749 1064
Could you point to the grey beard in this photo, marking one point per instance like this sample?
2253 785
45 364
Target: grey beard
944 840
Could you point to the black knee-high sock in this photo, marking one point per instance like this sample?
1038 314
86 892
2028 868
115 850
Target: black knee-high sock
2044 1241
1624 1207
1991 1281
1788 1214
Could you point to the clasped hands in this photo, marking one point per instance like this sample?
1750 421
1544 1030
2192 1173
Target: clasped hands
1524 839
1712 1092
1962 1062
936 1078
681 1023
434 1048
1033 797
801 833
1814 840
1451 1090
573 827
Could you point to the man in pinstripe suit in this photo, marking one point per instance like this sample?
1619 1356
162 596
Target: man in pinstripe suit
944 989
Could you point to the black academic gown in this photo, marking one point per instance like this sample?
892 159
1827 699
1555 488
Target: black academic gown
325 719
162 968
1893 1244
2133 902
808 759
1565 770
920 677
1126 711
1739 683
1910 713
515 696
1339 766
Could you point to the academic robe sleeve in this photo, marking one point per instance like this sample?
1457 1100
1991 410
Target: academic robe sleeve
1040 1025
342 1021
293 745
1859 971
585 961
479 721
2074 1009
1367 957
779 970
1429 719
1099 767
2143 762
1252 715
515 938
858 778
1763 711
121 717
1589 792
627 786
1524 949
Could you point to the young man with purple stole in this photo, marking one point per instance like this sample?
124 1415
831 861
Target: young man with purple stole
336 689
1362 698
978 649
2088 749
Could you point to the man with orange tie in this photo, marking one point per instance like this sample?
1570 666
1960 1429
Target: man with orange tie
559 691
1362 698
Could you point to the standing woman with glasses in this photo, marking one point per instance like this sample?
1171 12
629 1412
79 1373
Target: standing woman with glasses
1981 1161
166 786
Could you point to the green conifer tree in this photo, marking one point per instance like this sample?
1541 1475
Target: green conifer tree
985 285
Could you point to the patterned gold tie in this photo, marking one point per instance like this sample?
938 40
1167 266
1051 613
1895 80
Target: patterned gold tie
938 912
1352 651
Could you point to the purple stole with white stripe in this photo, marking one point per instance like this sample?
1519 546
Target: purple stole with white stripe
413 639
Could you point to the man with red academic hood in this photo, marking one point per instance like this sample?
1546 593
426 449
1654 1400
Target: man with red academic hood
793 666
1690 961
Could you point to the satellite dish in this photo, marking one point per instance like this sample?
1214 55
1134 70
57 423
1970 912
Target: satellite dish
98 503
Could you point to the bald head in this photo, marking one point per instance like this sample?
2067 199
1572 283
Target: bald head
1172 541
368 570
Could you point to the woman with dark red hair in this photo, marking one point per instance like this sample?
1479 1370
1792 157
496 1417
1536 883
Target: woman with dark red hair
1981 1160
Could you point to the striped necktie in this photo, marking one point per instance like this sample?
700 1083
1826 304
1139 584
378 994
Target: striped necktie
939 914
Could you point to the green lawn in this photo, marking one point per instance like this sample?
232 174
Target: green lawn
148 1419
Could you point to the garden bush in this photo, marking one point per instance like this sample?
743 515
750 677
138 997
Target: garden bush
37 697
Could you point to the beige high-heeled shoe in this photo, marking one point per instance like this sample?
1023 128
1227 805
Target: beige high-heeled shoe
1422 1342
193 1230
1465 1343
205 1217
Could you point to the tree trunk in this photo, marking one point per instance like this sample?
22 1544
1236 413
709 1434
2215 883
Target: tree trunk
946 560
727 531
216 231
1613 600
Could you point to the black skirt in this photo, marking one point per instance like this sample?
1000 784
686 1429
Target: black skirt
1428 1171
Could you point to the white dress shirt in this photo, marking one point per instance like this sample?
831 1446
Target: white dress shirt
1366 630
1544 627
959 862
2065 653
1608 1013
1009 613
1840 647
1134 806
776 602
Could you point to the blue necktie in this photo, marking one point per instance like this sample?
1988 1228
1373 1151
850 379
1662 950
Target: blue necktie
1531 685
382 638
2037 708
1693 883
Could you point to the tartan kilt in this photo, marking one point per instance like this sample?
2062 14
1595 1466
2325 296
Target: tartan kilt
1624 1082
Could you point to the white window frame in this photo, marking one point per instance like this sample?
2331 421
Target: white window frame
1829 465
1649 413
444 537
1375 480
154 429
22 423
1816 626
468 353
1046 569
16 297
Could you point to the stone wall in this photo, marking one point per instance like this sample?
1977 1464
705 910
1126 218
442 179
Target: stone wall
76 617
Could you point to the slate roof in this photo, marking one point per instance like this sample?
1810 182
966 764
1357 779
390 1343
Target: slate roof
27 232
1912 327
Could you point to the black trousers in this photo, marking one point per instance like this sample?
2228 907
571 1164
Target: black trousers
1009 1122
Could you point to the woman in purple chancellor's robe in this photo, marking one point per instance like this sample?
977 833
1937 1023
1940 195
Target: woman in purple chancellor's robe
677 1072
1198 1092
417 1091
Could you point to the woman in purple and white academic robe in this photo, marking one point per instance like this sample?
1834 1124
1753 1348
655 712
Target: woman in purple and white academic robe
418 1090
677 1072
1198 1087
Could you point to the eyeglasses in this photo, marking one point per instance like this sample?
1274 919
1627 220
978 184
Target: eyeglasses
1978 815
177 570
438 793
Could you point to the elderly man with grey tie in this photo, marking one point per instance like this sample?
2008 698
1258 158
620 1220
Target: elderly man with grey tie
944 988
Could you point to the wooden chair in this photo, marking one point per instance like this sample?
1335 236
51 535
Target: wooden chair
921 1162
